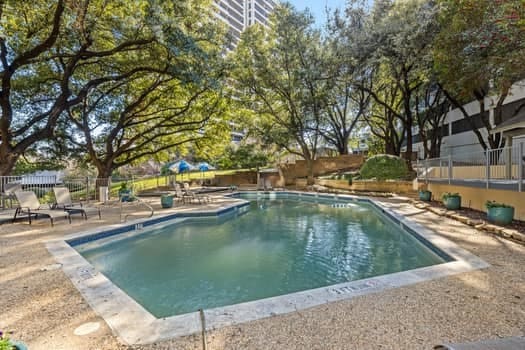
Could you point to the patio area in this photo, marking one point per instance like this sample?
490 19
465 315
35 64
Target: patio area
43 308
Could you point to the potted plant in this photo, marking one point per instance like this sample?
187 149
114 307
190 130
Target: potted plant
425 195
499 213
166 200
8 344
452 201
124 192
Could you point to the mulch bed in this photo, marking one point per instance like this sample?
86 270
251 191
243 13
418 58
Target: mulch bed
482 216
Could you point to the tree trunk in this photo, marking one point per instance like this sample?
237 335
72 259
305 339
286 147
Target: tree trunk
7 163
390 147
435 146
309 171
103 174
409 123
343 148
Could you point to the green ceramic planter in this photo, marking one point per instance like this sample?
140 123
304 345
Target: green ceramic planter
19 345
452 202
425 196
166 201
500 215
125 195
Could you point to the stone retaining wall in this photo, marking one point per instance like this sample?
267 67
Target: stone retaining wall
402 187
240 178
322 165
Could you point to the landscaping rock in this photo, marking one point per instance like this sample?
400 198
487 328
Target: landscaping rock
460 218
518 236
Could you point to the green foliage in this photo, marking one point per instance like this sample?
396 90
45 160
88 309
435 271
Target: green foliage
494 204
448 195
280 75
376 145
481 41
23 166
124 80
391 45
5 343
384 167
478 55
243 157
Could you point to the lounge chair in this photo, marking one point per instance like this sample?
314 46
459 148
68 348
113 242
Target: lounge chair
29 204
63 201
197 196
183 196
8 193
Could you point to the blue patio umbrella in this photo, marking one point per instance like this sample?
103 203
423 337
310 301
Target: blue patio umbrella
181 166
205 166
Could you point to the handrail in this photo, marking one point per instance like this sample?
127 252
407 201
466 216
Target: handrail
502 166
138 201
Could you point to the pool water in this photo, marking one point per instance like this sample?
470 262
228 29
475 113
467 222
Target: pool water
277 247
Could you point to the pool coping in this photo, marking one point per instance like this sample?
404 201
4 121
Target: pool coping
133 324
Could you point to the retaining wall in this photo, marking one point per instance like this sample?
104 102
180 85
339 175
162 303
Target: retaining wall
321 166
401 187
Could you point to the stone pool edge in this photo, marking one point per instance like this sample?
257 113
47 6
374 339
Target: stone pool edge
132 324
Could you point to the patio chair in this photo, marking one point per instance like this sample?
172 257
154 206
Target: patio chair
182 196
63 201
8 194
200 197
29 204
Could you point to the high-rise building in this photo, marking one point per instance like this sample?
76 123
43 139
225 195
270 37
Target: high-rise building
258 11
240 14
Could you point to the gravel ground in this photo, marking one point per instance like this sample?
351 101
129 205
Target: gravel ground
42 307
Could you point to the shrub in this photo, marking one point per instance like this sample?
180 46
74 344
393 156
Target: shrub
494 204
5 343
447 195
385 167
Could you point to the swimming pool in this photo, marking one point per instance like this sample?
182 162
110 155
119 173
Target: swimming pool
261 255
278 246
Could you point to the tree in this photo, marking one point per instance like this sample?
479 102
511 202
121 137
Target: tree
383 119
243 157
157 115
478 53
395 48
60 51
279 75
431 110
345 104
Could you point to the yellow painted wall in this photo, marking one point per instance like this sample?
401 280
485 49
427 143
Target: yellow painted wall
474 172
371 186
475 198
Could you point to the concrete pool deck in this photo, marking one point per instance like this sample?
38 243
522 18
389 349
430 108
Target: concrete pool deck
41 305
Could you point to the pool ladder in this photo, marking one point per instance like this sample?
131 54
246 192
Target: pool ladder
139 202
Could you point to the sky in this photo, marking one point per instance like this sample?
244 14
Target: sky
317 7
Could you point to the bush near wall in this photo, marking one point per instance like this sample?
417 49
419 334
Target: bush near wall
385 167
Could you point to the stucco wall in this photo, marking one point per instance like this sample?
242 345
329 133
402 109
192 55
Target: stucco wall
475 198
403 187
